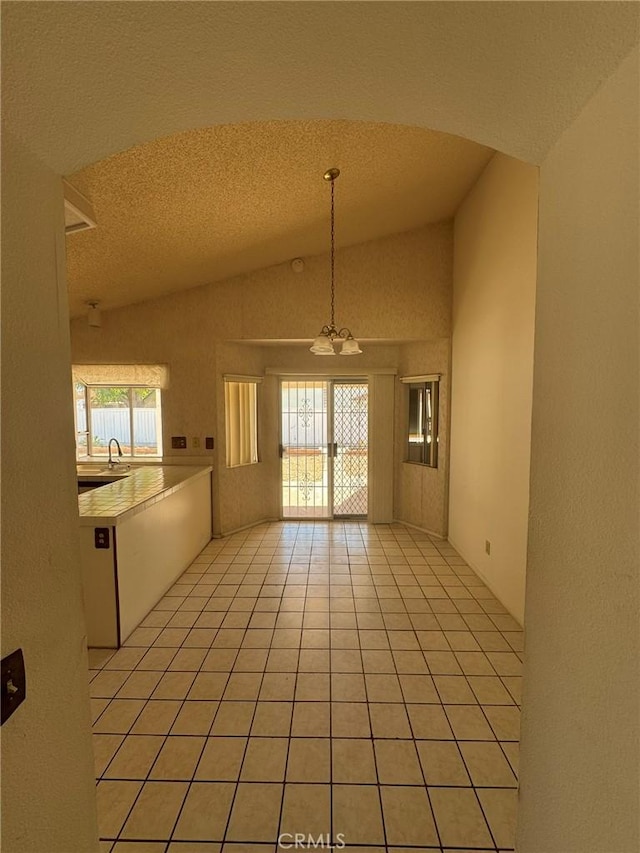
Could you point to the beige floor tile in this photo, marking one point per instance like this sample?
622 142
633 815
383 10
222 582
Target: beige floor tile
389 720
489 691
99 657
442 663
500 808
278 686
119 716
492 641
139 847
454 690
487 765
219 660
512 751
306 809
122 659
350 720
139 685
418 689
221 759
194 847
407 816
257 638
373 639
231 847
233 718
397 762
135 757
104 748
310 719
429 722
283 660
433 641
167 638
345 638
256 812
468 723
513 683
286 638
114 800
289 620
243 685
377 661
346 660
314 660
205 811
357 814
156 659
97 707
176 685
370 622
441 763
410 662
309 760
347 687
208 685
209 620
462 641
155 811
265 760
157 717
313 687
188 660
353 761
504 720
383 688
459 817
272 719
178 758
504 663
195 718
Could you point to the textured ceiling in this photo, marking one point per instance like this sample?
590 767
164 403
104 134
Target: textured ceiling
209 204
82 80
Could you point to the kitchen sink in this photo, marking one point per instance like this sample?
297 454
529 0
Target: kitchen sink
94 476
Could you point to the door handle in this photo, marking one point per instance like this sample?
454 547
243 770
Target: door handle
281 450
335 449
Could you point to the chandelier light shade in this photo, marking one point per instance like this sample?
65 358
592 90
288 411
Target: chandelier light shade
330 335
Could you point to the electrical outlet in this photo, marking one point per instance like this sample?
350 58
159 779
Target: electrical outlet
487 546
208 442
195 441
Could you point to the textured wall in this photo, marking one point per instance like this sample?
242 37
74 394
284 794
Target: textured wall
492 375
421 493
48 796
396 288
580 740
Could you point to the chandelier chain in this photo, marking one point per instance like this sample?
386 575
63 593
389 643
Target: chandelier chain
333 289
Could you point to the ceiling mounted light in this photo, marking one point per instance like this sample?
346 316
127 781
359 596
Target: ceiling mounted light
324 343
93 314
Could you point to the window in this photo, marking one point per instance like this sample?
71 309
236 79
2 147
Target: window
241 420
422 433
132 415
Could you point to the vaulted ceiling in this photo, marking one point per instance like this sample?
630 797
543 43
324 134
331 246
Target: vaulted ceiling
209 204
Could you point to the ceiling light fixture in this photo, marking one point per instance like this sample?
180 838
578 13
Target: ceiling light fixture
324 343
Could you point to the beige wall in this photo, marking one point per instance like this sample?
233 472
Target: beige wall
48 795
492 375
421 493
398 287
580 740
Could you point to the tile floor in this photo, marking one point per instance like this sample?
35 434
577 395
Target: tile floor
348 680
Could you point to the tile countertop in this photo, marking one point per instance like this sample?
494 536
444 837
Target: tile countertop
111 504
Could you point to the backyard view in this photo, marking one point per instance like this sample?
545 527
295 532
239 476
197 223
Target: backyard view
130 415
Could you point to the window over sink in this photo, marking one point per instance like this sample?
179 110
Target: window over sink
131 414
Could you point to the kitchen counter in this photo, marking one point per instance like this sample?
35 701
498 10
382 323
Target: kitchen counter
141 487
137 535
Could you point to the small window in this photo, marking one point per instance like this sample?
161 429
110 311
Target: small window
422 438
241 421
131 415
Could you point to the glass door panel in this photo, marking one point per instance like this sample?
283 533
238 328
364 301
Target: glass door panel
304 450
350 448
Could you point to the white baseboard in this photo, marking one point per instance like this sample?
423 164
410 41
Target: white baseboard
246 527
421 529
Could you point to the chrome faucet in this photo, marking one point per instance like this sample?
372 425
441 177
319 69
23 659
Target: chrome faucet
112 462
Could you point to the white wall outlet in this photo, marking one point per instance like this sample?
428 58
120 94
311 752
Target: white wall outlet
195 441
487 546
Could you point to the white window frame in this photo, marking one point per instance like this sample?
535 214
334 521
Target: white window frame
429 384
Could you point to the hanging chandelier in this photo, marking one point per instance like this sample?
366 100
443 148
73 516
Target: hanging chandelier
324 343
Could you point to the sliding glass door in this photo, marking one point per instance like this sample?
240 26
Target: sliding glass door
324 448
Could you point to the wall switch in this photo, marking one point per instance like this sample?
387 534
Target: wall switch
208 442
195 441
13 684
178 442
487 546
